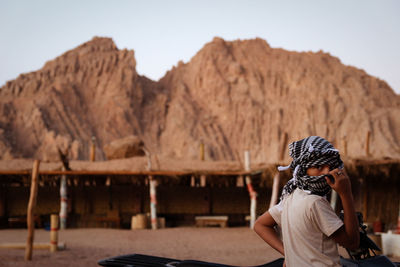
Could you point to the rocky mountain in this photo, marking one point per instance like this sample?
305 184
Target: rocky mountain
231 96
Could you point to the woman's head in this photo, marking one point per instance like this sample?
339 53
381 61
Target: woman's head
313 152
318 170
313 157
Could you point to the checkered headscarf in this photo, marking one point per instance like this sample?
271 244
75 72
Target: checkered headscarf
310 152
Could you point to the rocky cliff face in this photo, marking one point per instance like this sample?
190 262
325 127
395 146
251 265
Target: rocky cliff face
231 96
93 90
245 95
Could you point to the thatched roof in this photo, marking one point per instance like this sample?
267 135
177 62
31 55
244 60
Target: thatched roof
357 168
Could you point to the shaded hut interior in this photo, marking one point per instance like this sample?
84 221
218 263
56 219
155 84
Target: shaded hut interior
111 198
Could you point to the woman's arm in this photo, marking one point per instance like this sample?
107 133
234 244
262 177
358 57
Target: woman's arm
348 235
264 227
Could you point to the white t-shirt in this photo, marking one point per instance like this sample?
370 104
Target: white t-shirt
307 221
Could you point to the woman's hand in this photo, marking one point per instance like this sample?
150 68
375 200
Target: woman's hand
341 181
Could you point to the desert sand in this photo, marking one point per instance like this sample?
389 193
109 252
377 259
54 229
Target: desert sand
84 247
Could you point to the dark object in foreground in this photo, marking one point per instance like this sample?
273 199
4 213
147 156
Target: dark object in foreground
364 256
138 260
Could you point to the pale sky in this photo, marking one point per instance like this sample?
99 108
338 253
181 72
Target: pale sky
361 33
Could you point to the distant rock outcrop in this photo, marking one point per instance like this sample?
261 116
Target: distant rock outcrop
231 96
126 147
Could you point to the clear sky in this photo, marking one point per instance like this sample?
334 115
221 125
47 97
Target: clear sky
361 33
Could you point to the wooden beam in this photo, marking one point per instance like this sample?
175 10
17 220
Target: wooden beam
133 173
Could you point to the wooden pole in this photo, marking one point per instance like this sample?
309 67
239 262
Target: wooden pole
153 202
239 181
365 199
93 149
30 211
344 146
367 144
2 202
275 189
148 155
252 193
283 147
201 151
63 188
203 180
153 192
253 201
277 177
53 232
64 201
247 160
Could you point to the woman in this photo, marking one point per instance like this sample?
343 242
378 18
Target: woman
311 229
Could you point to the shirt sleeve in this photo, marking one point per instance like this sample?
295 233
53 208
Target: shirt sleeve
324 217
276 212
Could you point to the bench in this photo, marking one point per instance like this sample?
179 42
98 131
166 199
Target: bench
202 221
20 221
112 218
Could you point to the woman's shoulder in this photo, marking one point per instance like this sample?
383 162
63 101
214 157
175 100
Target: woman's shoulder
309 199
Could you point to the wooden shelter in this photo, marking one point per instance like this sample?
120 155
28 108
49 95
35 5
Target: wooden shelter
110 197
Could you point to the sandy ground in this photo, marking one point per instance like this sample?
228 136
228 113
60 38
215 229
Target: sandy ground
238 245
234 246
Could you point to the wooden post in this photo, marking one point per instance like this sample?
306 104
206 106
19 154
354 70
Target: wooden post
253 201
2 202
192 181
275 189
247 160
93 149
365 199
277 177
53 232
201 151
252 193
345 146
239 181
64 201
30 211
203 180
153 192
153 202
148 155
367 144
283 147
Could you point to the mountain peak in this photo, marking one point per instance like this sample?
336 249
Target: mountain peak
232 95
